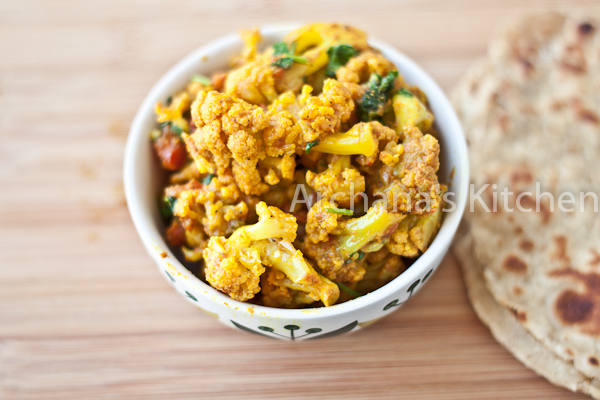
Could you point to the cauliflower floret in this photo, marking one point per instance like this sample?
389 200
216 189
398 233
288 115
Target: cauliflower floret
341 182
248 178
253 82
381 267
383 135
278 291
324 114
400 242
232 269
289 102
208 149
275 169
321 223
332 261
234 265
222 119
415 233
300 276
408 181
293 197
391 154
230 134
273 293
216 206
281 133
282 136
339 256
359 68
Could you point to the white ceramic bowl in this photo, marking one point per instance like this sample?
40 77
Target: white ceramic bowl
142 186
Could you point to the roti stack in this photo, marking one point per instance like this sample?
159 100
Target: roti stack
531 114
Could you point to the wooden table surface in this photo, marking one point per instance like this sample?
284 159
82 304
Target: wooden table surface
84 312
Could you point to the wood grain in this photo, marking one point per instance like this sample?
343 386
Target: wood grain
83 311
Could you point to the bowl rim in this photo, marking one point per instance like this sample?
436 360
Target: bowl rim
145 225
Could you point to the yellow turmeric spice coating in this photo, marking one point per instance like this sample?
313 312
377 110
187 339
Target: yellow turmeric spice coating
306 168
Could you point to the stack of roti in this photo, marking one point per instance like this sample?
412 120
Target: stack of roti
531 114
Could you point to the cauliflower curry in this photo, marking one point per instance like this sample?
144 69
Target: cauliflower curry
303 176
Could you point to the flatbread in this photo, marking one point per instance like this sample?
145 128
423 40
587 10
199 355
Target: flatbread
509 332
531 113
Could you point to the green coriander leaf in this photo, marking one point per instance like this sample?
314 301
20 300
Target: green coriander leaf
288 58
361 255
387 83
164 124
169 100
285 63
338 57
281 49
348 291
176 129
166 205
208 178
373 102
405 92
205 80
310 145
342 211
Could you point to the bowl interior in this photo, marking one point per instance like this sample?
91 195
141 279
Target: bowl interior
141 168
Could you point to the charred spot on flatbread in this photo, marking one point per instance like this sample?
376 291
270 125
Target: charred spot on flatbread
585 28
514 264
560 252
573 308
590 280
526 245
580 308
573 60
518 290
521 175
569 352
583 113
528 202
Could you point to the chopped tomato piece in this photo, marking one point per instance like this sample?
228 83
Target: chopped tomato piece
176 234
171 151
